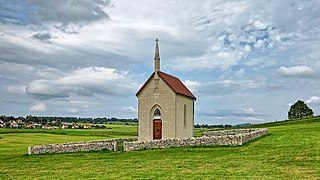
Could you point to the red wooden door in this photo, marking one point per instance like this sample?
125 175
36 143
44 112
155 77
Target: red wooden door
157 129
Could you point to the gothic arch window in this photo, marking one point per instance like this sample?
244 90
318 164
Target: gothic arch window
185 116
157 114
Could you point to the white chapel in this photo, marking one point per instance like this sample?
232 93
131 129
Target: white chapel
165 106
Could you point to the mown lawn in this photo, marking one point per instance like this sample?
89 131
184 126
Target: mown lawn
290 151
111 131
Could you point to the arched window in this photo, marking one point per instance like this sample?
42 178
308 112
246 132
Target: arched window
157 114
185 116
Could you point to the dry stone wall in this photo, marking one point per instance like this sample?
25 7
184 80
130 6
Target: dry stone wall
254 134
228 137
109 144
228 132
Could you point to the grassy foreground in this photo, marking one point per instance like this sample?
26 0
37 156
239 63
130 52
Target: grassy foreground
290 151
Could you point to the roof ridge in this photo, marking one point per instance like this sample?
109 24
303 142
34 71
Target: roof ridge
168 74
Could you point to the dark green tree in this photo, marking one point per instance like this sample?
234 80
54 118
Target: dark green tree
299 110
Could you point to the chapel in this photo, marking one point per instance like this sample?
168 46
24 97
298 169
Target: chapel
165 106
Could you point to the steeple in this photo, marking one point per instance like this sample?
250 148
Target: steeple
157 57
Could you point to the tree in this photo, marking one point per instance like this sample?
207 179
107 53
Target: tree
299 110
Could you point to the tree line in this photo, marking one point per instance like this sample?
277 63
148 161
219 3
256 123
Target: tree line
48 119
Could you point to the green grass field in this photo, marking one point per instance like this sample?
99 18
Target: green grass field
112 131
290 151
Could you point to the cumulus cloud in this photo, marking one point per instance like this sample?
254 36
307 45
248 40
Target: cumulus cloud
74 110
39 107
129 109
18 89
256 35
85 82
192 85
296 71
241 112
313 100
234 116
43 37
231 46
60 11
248 111
231 85
254 119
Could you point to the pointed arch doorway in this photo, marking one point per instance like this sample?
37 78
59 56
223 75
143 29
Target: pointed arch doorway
157 124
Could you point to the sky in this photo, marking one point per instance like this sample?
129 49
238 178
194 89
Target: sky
246 61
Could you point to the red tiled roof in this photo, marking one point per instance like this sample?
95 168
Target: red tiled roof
173 82
176 85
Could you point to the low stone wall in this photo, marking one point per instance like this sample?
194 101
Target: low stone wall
109 144
227 137
228 132
254 134
231 140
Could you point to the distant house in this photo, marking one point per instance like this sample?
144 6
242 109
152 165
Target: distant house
47 126
87 126
64 126
33 126
75 126
2 124
13 124
19 121
30 126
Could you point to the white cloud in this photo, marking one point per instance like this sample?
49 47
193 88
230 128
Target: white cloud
61 11
192 85
232 86
85 82
16 89
313 100
232 45
248 111
253 119
247 84
296 71
39 107
223 118
129 109
74 110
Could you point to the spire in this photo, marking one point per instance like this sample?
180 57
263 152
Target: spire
157 57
